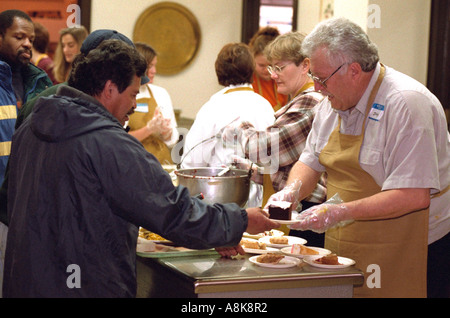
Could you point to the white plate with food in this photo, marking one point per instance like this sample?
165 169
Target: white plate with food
284 262
301 251
261 251
253 246
293 219
330 261
266 233
146 235
282 241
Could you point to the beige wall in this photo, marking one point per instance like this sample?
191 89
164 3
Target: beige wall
402 38
220 23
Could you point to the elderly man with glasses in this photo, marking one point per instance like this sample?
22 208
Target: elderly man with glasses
382 139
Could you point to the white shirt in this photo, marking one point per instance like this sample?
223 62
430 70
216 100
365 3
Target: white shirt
164 102
406 143
222 109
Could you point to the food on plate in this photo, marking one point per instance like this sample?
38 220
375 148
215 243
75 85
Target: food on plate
263 234
280 210
273 233
272 258
303 250
278 240
253 244
146 234
331 259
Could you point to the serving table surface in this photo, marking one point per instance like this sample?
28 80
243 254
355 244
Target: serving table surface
206 274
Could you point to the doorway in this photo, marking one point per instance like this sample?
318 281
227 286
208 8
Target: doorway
281 14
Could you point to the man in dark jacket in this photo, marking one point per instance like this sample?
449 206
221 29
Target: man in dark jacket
20 78
95 184
19 81
90 43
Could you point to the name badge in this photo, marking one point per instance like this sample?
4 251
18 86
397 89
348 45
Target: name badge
376 112
141 108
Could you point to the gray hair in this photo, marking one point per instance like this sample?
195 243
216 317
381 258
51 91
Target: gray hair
345 42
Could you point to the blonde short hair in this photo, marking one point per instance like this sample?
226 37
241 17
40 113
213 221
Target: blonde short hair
286 47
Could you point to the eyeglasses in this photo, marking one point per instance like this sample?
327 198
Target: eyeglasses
323 82
275 69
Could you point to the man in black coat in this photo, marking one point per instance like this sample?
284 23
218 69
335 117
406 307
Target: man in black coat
80 186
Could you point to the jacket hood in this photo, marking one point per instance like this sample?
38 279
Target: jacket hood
68 114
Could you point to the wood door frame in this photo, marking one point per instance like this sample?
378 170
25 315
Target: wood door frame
250 18
438 80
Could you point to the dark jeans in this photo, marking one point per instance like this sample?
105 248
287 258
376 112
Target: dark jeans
438 271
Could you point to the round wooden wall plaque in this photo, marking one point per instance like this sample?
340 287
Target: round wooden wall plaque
173 31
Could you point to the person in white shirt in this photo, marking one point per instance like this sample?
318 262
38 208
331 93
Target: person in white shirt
236 102
153 122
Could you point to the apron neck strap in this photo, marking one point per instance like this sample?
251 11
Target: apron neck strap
307 85
244 88
373 93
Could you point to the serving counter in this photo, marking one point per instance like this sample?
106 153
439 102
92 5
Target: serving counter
204 274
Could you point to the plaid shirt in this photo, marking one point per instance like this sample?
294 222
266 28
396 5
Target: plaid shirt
291 128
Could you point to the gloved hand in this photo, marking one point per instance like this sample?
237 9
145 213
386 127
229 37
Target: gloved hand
320 218
245 164
165 129
290 193
231 133
159 125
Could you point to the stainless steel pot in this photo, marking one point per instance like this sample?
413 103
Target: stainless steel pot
233 186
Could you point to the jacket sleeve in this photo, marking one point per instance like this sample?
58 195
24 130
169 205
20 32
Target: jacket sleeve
143 193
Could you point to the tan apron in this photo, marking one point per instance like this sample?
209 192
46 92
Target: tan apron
398 246
152 144
236 89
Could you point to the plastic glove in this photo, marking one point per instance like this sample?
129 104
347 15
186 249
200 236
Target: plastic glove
160 125
320 218
246 164
290 193
231 133
165 129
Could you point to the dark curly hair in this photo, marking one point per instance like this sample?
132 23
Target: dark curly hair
7 19
112 60
235 65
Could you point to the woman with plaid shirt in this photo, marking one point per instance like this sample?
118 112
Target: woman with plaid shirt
284 141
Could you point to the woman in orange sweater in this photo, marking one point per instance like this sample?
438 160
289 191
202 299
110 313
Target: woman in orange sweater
263 84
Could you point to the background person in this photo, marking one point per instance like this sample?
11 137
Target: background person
20 80
91 42
153 123
289 70
236 102
40 58
263 84
94 186
70 41
392 177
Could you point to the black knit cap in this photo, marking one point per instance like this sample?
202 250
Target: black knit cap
98 36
